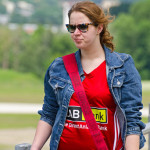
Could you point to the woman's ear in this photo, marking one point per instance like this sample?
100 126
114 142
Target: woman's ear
99 28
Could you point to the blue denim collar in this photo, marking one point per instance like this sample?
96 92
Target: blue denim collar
113 59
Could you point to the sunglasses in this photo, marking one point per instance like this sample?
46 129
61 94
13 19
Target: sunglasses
82 27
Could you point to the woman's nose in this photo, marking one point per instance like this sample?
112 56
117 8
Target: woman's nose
77 31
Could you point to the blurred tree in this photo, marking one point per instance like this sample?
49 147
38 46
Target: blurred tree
32 52
2 8
132 35
122 8
97 1
5 44
11 44
42 48
140 11
16 17
18 37
62 44
44 12
129 1
36 52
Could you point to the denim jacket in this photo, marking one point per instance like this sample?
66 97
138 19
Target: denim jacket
124 83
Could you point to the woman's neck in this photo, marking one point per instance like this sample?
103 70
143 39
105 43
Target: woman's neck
92 58
93 53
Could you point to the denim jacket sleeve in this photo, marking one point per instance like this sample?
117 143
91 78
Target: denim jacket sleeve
131 100
50 106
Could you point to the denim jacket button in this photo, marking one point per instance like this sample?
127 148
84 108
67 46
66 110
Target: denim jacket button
56 85
118 82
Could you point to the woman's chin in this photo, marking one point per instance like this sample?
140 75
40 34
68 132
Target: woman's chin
79 46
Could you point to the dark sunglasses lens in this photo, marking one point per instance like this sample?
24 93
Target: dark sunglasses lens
71 28
83 27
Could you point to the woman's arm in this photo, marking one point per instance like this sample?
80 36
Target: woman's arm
43 132
131 103
132 142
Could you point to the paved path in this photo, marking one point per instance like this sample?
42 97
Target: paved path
21 108
24 108
11 137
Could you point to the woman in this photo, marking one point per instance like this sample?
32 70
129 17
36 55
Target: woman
111 82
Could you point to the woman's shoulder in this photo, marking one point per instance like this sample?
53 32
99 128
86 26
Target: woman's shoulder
126 59
57 70
122 56
114 56
117 59
56 64
128 64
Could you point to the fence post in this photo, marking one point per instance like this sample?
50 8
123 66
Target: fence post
149 133
23 146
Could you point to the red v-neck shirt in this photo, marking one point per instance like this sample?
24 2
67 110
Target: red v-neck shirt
76 135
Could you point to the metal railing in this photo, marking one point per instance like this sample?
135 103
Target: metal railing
23 146
26 146
147 129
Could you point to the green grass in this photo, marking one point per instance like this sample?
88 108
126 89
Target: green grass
16 121
27 88
145 119
6 147
146 92
146 98
20 87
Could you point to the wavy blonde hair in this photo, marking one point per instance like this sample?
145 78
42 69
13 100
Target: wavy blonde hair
98 17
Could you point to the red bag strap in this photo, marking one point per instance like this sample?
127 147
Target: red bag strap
72 69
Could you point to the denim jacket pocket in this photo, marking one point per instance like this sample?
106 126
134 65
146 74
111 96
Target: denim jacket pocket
57 82
58 85
117 84
118 80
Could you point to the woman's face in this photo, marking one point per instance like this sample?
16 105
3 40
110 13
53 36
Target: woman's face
87 39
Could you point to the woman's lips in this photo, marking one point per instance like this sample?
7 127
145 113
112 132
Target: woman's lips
77 40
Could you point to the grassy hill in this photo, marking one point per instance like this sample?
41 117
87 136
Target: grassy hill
20 87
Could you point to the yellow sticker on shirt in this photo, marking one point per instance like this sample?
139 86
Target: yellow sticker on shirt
75 114
100 115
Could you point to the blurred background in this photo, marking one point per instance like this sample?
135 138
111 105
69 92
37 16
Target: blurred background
33 34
